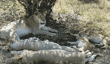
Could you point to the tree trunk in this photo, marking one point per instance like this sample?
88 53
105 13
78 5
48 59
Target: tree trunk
36 6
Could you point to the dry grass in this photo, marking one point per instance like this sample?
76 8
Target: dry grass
9 10
96 11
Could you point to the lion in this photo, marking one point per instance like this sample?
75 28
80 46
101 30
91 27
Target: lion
34 24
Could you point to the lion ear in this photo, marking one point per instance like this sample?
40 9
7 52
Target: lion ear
35 12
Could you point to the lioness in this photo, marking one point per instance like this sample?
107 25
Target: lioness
34 24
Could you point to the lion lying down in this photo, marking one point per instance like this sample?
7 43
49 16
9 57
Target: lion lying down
34 24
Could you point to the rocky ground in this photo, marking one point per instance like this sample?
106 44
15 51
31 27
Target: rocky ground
67 25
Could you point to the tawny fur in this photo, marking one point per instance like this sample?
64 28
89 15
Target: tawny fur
57 56
25 26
